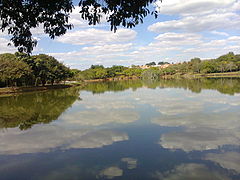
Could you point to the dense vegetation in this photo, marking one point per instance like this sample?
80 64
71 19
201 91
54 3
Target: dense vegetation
23 70
20 69
226 63
99 72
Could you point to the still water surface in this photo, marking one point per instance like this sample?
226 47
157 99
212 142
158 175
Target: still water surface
131 130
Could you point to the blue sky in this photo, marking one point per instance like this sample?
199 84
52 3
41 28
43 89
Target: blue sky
183 30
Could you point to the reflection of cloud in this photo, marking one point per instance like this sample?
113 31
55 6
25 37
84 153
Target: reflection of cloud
198 120
131 163
44 138
100 117
179 101
99 139
178 107
191 171
107 101
228 160
171 102
111 172
210 119
99 110
198 139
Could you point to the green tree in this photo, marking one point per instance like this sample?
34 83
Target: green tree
101 73
151 64
12 71
162 63
208 66
196 65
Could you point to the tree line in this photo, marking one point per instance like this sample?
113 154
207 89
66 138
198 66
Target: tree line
100 72
225 63
20 69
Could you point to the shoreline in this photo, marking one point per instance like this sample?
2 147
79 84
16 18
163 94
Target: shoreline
19 90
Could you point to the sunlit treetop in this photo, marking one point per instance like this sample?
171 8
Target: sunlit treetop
19 17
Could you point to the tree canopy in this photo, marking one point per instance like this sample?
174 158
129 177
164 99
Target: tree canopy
20 69
19 17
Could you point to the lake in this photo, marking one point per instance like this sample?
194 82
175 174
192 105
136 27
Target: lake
131 130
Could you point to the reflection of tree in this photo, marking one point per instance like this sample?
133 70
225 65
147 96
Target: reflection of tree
223 85
101 87
23 111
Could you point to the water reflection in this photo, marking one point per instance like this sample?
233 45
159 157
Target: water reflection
25 110
223 85
124 130
111 172
199 139
49 138
191 171
228 160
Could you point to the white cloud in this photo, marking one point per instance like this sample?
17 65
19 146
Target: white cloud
97 36
4 46
186 7
78 22
107 48
209 22
219 33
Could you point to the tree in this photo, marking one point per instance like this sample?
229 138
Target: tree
18 17
97 66
13 71
195 60
196 64
101 73
162 63
151 64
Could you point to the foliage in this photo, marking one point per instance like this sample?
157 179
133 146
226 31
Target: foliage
19 17
21 69
162 63
151 73
99 72
226 63
12 71
151 64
